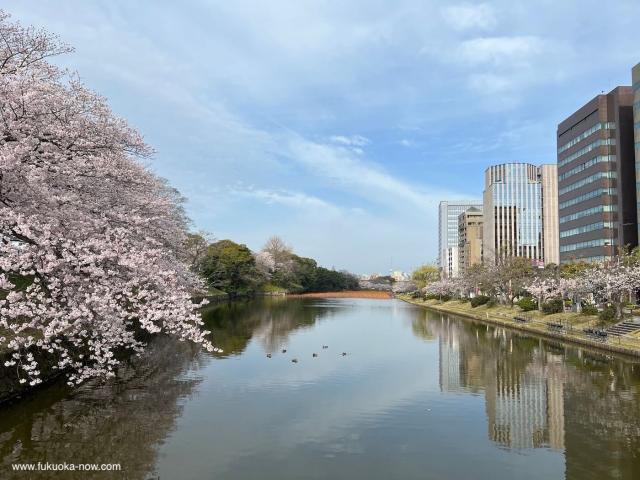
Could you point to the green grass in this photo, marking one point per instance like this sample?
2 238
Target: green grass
216 292
271 288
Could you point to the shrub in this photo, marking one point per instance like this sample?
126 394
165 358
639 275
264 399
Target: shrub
431 296
479 300
445 298
607 315
527 304
491 303
589 309
555 305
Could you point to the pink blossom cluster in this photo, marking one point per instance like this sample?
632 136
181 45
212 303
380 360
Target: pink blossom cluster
90 239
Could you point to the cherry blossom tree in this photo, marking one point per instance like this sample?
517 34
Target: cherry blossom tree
441 288
90 239
265 263
543 289
612 282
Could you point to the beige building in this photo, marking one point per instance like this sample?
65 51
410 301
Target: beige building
469 239
550 226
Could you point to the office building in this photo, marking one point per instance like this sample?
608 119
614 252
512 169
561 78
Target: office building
596 178
448 213
519 207
635 76
469 239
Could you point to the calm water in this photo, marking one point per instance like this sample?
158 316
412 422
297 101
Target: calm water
418 395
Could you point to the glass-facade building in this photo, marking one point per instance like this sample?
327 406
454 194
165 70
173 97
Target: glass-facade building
448 213
515 197
597 178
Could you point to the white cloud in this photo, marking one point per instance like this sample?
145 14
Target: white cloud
352 141
500 51
467 16
362 177
284 197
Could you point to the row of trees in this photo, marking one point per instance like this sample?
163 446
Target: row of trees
236 270
611 283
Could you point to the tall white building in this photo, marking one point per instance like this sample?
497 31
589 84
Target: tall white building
520 205
448 213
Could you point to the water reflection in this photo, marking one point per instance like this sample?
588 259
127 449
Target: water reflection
269 320
420 395
118 422
540 394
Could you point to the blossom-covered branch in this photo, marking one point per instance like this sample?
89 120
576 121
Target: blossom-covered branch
89 237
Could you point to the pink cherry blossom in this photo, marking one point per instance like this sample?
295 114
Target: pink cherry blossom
90 239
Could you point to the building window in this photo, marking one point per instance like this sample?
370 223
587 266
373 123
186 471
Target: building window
589 211
585 181
598 143
586 228
587 196
585 134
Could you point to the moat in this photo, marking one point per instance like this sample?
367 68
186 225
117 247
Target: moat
418 394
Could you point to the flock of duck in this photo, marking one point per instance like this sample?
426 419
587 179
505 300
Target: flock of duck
314 355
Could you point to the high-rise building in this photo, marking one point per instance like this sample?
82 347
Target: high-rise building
519 208
596 178
469 239
448 213
635 76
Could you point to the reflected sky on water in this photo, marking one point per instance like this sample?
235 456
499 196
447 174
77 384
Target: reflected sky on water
418 395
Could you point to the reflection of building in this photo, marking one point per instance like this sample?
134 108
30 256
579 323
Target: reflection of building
524 395
596 178
540 394
469 239
448 214
518 411
449 349
555 374
518 197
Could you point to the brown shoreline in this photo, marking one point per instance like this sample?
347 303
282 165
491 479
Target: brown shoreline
376 294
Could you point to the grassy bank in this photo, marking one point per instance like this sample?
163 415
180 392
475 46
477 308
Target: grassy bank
572 331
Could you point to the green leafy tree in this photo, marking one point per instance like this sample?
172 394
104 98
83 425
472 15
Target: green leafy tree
425 274
231 267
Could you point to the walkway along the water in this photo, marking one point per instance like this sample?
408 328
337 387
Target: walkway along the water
622 345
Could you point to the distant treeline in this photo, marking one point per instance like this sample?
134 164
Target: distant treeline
234 269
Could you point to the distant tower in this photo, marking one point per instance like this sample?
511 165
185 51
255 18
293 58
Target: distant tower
448 213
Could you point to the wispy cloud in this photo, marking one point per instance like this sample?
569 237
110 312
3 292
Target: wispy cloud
500 51
467 16
284 197
344 169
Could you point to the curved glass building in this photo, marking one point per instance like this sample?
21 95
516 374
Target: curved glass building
520 212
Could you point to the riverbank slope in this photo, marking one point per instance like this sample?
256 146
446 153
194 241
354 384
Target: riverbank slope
573 324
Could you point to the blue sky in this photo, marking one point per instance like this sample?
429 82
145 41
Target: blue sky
339 125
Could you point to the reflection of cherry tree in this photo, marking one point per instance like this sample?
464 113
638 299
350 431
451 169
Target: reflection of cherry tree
89 237
122 420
